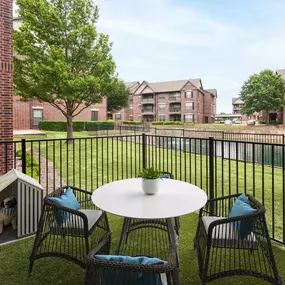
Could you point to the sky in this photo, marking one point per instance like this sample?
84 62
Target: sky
222 42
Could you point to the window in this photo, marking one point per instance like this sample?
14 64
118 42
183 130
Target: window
161 107
118 117
37 116
161 96
189 105
131 117
94 115
161 117
188 94
189 118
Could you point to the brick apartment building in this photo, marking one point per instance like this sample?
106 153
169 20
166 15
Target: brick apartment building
28 114
6 84
180 100
274 115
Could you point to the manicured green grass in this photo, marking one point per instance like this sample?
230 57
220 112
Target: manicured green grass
93 162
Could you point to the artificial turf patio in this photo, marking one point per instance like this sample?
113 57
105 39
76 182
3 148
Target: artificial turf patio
15 260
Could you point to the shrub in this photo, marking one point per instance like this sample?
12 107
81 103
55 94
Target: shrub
32 165
78 126
262 122
276 122
99 125
157 123
132 122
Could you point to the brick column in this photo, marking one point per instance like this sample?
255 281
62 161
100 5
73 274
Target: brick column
6 84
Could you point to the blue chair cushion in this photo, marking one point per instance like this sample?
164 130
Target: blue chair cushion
242 207
134 278
68 200
164 176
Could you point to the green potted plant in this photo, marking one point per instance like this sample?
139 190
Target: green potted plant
150 180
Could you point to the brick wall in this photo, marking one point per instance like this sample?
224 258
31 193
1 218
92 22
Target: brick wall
23 118
6 84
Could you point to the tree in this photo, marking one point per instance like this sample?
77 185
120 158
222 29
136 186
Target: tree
263 92
117 96
63 59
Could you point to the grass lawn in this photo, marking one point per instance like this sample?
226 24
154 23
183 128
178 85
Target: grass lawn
14 261
93 162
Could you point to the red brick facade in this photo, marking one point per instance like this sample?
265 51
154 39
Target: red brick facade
24 113
169 102
6 83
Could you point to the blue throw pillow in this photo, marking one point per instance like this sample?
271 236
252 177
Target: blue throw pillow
242 207
67 199
164 176
134 278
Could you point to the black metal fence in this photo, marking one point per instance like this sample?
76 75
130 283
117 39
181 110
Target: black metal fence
218 166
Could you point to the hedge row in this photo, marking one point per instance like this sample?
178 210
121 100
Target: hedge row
132 122
78 126
166 123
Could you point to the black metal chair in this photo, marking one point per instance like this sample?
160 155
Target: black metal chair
221 250
151 240
76 236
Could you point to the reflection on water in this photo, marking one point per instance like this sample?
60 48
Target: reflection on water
267 154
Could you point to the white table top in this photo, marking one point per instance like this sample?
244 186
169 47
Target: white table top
126 198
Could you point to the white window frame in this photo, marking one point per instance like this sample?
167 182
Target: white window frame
35 109
116 116
186 94
161 109
189 121
162 115
189 108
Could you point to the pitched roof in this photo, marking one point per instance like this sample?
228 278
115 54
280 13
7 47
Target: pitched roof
281 72
237 101
170 86
213 91
234 99
133 86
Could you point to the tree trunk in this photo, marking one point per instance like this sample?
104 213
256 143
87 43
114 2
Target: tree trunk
69 128
267 118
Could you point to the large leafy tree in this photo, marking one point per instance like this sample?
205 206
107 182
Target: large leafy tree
60 57
118 96
263 92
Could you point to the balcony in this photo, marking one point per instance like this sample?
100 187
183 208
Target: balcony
147 101
175 110
148 111
174 99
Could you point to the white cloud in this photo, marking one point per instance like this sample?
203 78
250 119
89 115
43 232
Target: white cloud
166 40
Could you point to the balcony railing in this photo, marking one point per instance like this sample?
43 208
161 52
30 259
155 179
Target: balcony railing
233 164
176 110
147 100
148 111
174 99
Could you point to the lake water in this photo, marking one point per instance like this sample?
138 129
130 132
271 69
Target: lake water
267 154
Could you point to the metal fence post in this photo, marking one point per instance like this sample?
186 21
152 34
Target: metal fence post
24 162
120 130
143 150
211 174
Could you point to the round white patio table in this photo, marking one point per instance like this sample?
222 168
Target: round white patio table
126 198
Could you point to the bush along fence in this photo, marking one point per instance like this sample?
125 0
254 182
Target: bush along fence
78 126
219 167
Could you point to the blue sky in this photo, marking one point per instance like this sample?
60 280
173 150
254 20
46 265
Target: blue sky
222 42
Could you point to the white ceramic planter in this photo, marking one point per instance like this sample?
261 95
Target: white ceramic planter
150 186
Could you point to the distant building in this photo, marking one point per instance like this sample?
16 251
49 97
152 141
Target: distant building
237 105
180 100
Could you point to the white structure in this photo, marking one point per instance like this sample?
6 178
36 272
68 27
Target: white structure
29 195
